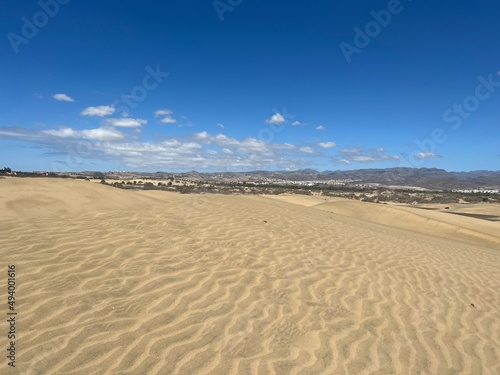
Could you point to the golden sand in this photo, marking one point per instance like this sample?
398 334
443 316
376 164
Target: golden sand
128 282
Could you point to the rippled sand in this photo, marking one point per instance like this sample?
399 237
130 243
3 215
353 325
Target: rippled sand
122 282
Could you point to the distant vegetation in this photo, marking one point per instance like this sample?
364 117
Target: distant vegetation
373 195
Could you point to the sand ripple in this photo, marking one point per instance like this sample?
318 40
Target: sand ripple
246 285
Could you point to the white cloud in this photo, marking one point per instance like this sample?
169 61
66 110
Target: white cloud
276 119
426 155
364 159
220 140
249 146
307 150
125 122
296 123
30 135
192 151
353 150
223 140
163 112
360 155
102 134
327 144
171 143
202 135
62 133
253 145
99 134
168 120
190 146
99 111
321 127
284 146
219 125
167 116
63 98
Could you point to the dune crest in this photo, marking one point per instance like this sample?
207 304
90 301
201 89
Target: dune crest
429 221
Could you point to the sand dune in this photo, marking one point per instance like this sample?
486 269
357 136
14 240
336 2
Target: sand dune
429 219
123 282
42 197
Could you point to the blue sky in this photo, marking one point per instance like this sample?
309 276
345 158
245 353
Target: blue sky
231 85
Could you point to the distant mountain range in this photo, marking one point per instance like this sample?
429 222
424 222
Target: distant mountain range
430 178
